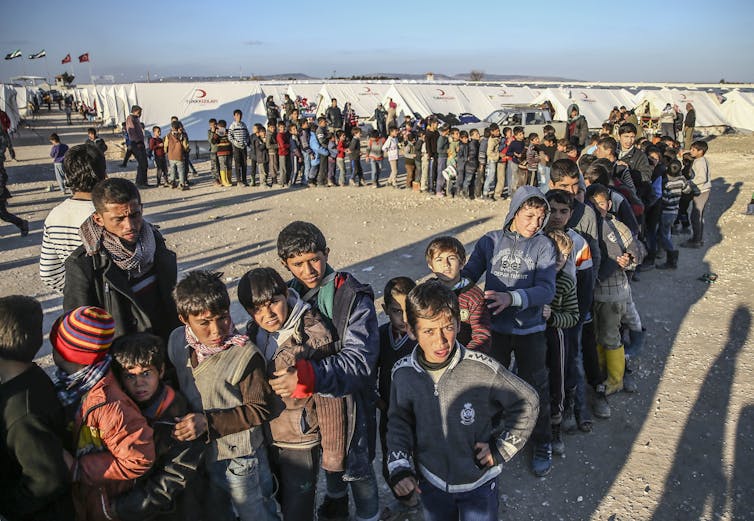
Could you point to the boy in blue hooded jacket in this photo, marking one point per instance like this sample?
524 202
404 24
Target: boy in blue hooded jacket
520 266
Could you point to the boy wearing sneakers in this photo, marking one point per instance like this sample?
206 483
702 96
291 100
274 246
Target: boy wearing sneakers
445 257
168 491
223 376
112 442
519 262
287 329
349 305
612 294
35 476
395 343
455 417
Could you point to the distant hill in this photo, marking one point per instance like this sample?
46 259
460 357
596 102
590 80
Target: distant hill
383 76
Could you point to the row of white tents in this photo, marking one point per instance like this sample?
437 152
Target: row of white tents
195 103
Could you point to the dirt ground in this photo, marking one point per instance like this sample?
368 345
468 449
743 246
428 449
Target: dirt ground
682 448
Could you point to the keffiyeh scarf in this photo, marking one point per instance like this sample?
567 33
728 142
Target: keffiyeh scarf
139 260
71 387
204 351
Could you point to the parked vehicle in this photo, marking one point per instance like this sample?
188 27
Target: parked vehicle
533 119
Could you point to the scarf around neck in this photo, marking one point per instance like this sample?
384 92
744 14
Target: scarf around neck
140 260
71 387
324 293
204 351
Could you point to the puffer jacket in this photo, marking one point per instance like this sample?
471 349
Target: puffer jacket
163 493
113 446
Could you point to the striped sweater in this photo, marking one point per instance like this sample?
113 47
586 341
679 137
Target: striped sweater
59 238
238 134
565 305
672 189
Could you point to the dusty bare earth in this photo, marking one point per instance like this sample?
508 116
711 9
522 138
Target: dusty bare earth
682 448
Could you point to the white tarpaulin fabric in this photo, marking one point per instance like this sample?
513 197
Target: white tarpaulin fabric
9 105
499 96
364 97
738 109
195 103
594 104
708 109
438 98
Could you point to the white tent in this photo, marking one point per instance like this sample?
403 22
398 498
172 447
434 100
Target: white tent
738 109
364 97
708 109
500 96
425 99
195 103
9 105
307 91
594 104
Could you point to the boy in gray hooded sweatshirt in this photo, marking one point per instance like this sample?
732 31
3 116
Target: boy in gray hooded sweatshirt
520 266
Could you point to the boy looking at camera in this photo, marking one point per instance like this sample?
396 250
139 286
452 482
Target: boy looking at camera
482 413
445 257
223 376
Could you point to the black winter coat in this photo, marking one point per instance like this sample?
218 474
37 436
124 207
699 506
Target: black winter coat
97 281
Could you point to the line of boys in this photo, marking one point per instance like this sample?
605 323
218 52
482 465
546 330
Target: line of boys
520 331
518 305
81 339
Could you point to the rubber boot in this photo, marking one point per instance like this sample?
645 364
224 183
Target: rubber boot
649 261
601 359
616 366
224 178
629 377
600 406
568 424
671 262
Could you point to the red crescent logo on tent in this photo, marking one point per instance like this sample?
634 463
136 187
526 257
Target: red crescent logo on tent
503 92
200 93
367 90
683 96
442 92
583 95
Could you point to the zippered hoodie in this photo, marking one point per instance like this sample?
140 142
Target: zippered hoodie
523 267
433 427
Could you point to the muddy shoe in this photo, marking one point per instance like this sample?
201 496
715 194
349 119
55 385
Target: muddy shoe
600 406
333 509
629 378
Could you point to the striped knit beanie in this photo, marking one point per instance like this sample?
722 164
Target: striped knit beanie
84 335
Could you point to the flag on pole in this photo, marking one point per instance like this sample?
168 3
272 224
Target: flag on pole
67 59
14 54
40 54
84 57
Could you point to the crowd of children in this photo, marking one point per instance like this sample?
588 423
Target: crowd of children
144 420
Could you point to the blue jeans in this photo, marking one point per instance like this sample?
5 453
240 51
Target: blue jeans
376 170
663 235
59 175
442 163
244 483
307 167
490 178
364 491
177 170
480 504
543 177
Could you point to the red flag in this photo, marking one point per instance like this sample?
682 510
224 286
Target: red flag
67 59
84 57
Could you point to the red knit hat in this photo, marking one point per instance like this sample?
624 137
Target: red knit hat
84 335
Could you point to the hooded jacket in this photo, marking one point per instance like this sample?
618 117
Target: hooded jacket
525 267
579 133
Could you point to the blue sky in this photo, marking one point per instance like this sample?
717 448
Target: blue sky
607 40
